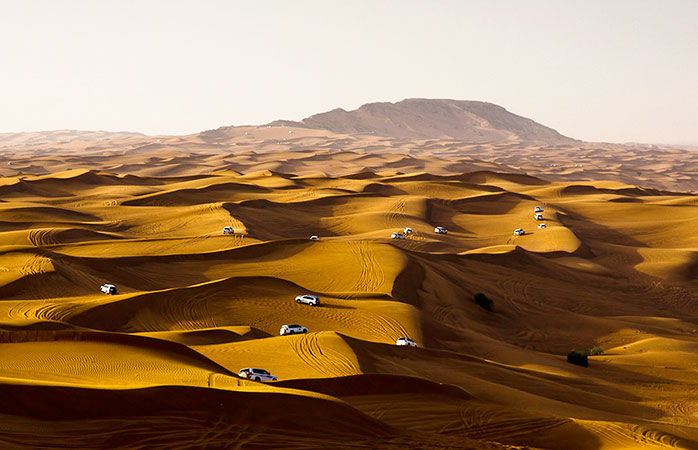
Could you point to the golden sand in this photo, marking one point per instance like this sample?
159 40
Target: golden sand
156 364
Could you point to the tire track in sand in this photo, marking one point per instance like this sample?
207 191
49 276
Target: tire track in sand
483 425
371 275
326 361
623 434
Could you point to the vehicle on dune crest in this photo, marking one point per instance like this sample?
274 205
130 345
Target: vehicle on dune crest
541 226
292 329
314 238
538 209
228 230
538 216
307 299
407 230
397 236
405 341
256 374
519 232
440 230
108 289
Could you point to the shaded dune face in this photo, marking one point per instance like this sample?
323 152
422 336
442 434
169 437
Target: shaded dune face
157 362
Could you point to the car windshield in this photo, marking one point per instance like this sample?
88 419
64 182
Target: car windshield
294 326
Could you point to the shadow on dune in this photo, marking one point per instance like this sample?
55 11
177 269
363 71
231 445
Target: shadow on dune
328 306
584 398
375 384
176 416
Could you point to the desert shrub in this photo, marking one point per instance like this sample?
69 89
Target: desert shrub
595 351
483 301
578 358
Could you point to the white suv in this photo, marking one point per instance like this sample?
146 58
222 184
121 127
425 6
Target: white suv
519 232
292 329
405 341
407 230
397 236
256 375
228 230
541 225
312 300
440 230
538 216
538 209
108 289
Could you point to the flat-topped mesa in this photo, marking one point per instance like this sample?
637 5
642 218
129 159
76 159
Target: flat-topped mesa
418 118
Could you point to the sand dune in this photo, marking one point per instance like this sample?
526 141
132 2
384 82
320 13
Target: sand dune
442 137
156 364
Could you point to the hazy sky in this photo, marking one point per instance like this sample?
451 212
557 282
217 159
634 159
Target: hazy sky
596 70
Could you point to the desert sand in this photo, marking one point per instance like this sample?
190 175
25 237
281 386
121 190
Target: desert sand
158 362
156 365
304 151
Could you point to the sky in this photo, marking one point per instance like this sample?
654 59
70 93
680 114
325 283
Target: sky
597 70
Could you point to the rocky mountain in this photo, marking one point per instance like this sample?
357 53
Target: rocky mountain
471 121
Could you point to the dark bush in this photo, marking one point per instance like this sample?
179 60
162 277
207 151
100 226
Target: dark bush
578 358
484 301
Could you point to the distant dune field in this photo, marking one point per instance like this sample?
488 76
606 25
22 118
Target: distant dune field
291 148
156 365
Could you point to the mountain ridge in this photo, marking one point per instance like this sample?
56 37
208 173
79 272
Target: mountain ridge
420 118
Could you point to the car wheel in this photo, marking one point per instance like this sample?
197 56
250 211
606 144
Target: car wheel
298 301
305 331
257 379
